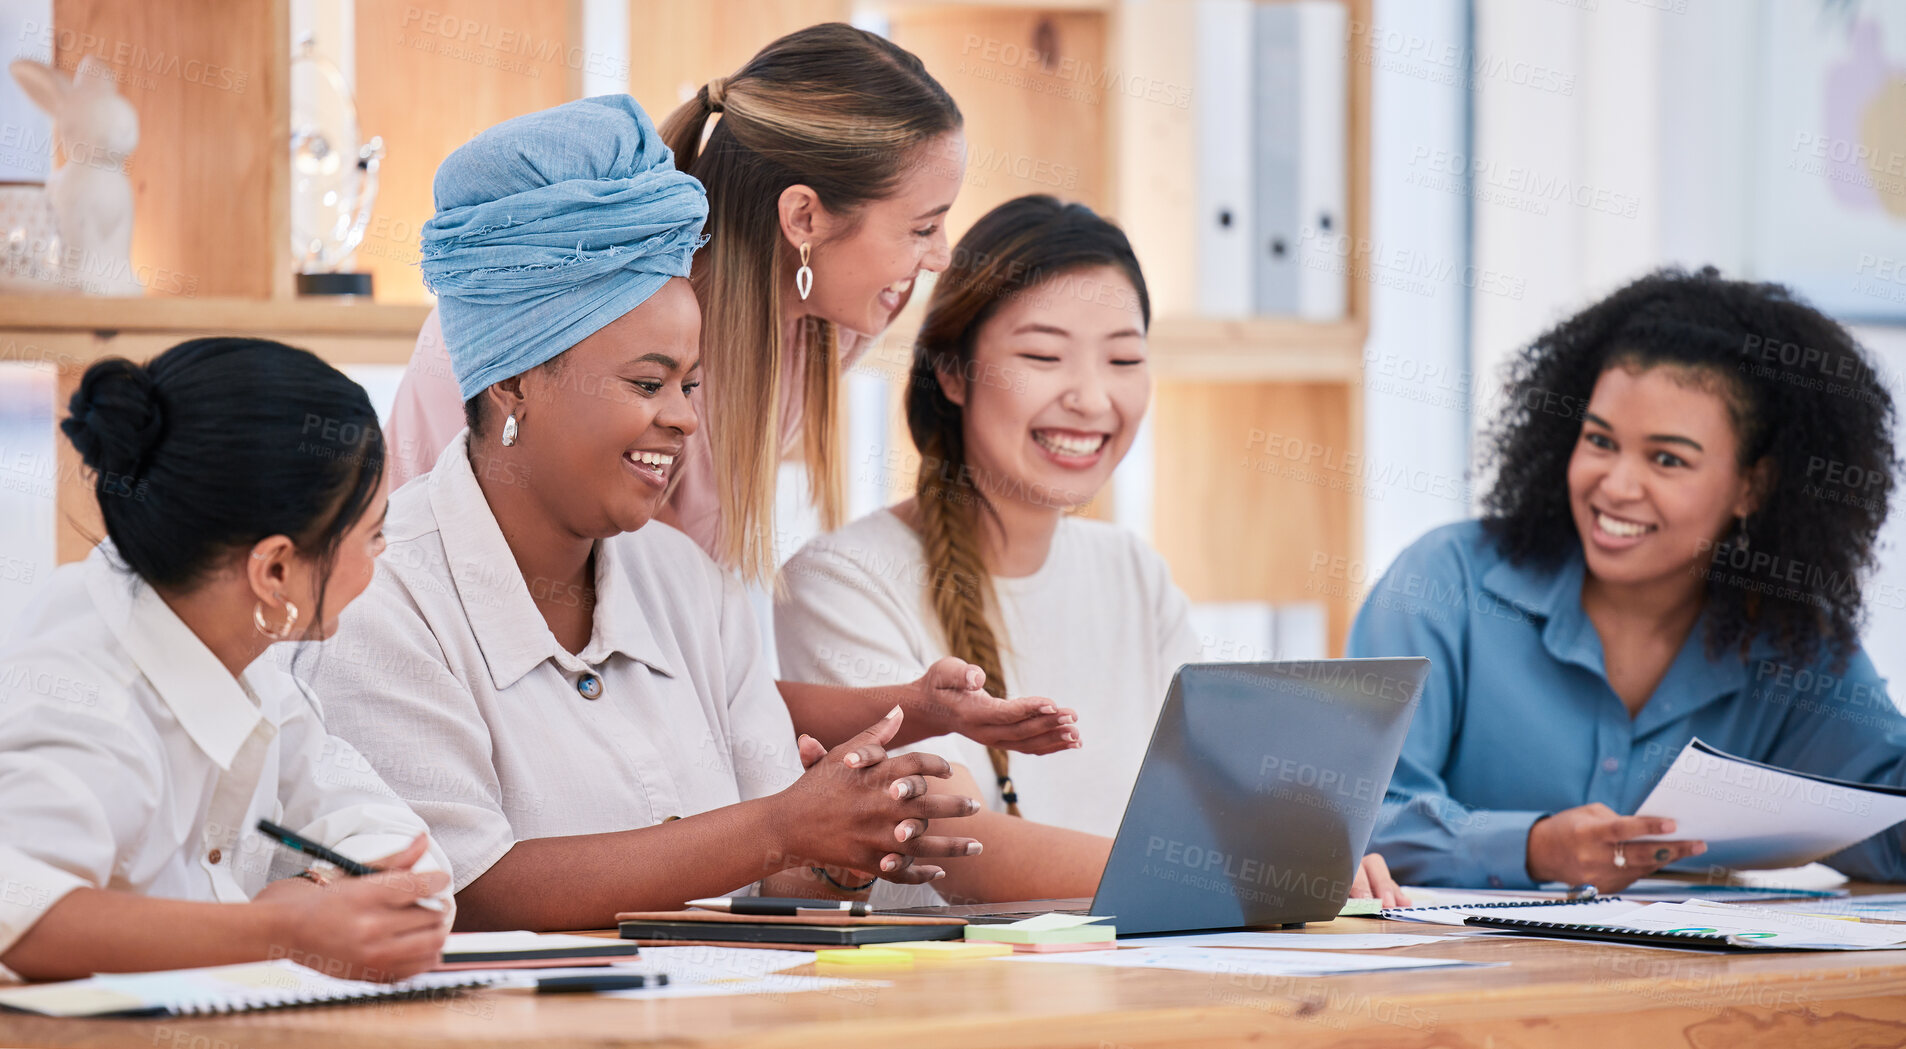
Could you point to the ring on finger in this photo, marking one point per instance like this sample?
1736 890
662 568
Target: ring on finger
1621 858
1661 855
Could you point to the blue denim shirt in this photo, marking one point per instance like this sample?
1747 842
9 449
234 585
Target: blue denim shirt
1517 719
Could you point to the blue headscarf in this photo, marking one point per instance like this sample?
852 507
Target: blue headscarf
548 227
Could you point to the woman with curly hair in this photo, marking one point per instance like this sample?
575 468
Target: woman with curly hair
1689 477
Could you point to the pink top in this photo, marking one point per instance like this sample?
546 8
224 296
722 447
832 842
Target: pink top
428 415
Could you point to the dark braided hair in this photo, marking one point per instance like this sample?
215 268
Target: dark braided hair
1804 399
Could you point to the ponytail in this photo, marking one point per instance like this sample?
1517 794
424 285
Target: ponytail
682 132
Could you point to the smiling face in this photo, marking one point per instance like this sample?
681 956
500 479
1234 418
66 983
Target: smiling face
602 425
1655 479
1055 389
865 264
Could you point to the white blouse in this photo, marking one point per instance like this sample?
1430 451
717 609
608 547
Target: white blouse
131 759
447 678
1100 627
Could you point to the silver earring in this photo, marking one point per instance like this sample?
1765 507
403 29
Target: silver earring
509 430
804 277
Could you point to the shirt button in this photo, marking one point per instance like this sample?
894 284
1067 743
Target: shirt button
214 856
590 686
1610 765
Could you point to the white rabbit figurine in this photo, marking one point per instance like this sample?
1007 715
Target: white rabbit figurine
90 193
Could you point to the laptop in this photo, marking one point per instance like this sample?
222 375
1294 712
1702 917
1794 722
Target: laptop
1256 800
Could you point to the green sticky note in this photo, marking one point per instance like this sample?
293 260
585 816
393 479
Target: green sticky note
1366 908
1047 929
1055 920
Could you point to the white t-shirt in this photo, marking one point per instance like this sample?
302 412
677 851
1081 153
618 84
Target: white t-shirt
131 759
447 678
1100 628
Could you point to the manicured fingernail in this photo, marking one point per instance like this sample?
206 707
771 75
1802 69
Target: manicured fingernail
902 788
1068 720
904 831
891 714
972 806
1048 709
852 760
1666 827
1072 737
888 864
1700 847
973 848
937 875
975 677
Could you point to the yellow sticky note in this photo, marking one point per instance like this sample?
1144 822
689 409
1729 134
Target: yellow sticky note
862 958
942 952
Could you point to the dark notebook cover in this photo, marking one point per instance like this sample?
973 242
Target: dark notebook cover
817 935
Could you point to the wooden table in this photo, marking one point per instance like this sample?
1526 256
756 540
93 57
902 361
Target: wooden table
1550 993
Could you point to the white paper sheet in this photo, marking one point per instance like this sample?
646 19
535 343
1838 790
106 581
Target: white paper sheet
702 972
518 940
1885 907
1229 961
1299 941
1764 926
1753 815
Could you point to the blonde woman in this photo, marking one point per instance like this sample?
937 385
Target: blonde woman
832 162
1029 382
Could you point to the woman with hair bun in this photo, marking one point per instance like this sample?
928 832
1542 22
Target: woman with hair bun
1689 478
142 736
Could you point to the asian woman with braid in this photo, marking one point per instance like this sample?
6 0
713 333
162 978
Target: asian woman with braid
1029 381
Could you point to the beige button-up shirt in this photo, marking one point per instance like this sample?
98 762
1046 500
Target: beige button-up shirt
446 677
131 759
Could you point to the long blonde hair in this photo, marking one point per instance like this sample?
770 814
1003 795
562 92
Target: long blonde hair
842 111
1012 249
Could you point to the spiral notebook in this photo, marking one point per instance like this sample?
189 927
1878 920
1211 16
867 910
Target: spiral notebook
1702 924
280 984
1528 910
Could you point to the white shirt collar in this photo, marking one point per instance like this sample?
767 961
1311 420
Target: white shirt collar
508 627
210 704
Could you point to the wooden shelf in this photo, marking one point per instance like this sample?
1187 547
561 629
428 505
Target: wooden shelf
1257 349
74 313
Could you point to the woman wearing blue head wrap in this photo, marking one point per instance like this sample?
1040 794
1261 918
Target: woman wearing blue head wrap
574 699
832 151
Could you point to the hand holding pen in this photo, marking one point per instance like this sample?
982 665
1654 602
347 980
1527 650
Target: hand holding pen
384 925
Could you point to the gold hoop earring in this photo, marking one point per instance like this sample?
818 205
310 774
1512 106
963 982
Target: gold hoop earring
283 632
509 430
804 277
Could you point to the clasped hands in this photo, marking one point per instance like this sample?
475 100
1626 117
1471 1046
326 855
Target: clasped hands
859 808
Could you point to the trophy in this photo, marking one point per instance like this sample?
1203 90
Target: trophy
333 177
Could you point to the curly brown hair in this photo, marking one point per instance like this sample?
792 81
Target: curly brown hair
1805 399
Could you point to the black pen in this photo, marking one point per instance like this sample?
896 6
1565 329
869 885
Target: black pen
791 906
291 839
602 982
